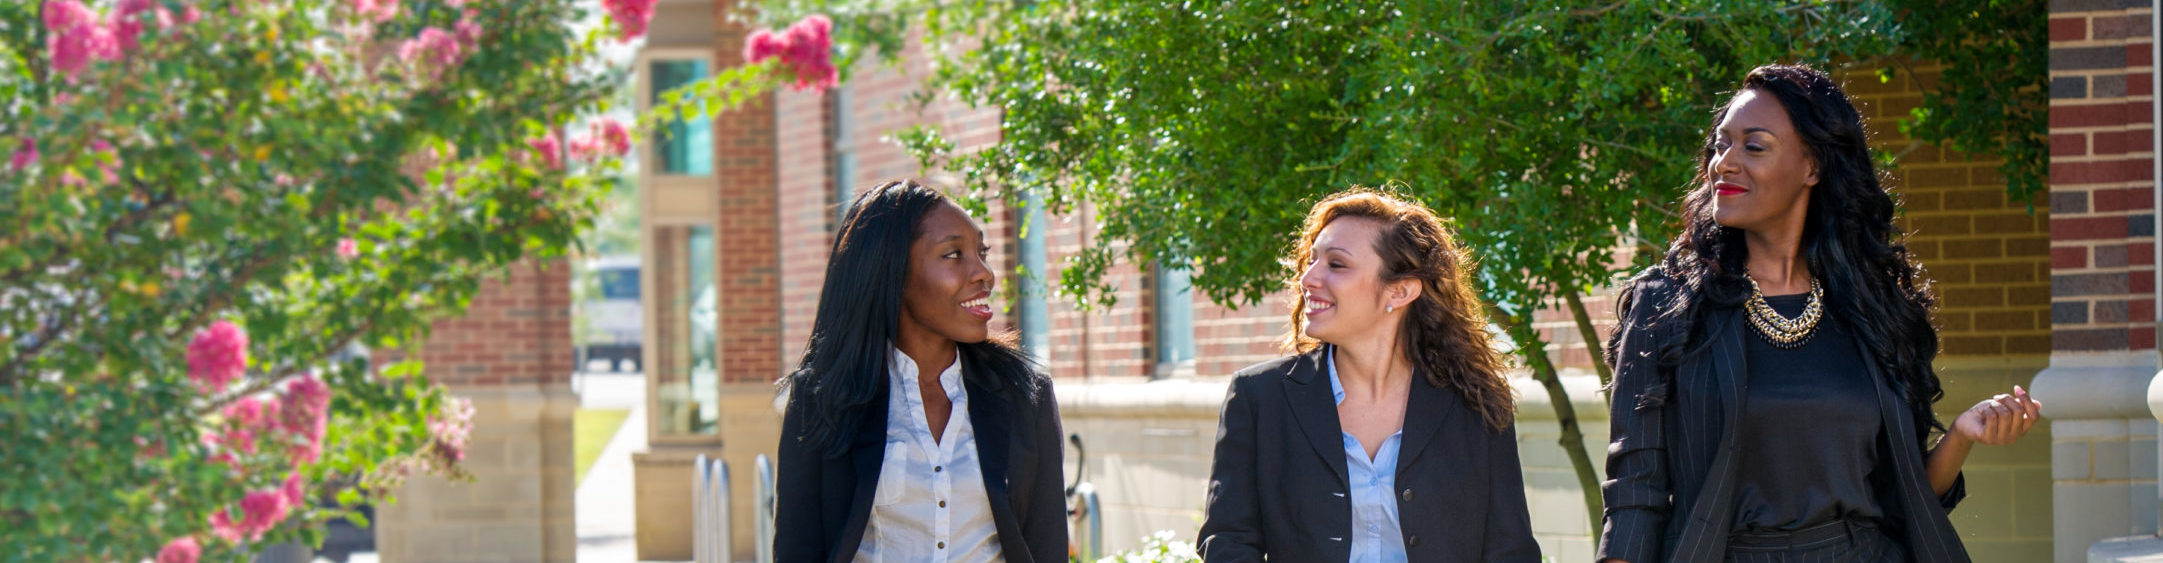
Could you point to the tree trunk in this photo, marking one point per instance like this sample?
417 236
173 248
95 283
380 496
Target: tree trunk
1593 345
1534 351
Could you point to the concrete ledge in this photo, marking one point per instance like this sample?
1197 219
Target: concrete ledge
2095 392
1181 398
2135 549
1533 403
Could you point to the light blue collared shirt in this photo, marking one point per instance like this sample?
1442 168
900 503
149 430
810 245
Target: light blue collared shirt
1376 537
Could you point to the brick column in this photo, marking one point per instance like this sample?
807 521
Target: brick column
2102 229
511 355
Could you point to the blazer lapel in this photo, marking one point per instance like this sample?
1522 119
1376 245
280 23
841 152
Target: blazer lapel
1725 372
989 416
1923 518
1426 411
1314 409
867 451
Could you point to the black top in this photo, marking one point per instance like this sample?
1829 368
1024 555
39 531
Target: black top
1809 431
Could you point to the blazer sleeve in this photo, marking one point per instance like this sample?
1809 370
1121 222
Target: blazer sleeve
1044 526
1509 523
1231 525
1636 491
798 533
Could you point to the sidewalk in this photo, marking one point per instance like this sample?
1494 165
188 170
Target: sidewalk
606 513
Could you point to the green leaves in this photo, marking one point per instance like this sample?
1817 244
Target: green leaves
213 174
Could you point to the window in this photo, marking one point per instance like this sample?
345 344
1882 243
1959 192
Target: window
686 379
1034 315
843 166
685 146
1174 321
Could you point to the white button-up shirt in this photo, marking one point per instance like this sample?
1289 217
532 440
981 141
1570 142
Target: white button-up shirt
931 506
1376 535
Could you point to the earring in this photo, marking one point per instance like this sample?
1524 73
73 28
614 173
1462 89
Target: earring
1389 308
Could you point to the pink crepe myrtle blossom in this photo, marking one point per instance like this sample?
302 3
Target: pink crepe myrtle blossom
348 249
631 15
377 11
434 47
295 490
222 525
549 149
181 550
449 431
613 133
218 355
259 512
306 415
806 48
24 155
77 37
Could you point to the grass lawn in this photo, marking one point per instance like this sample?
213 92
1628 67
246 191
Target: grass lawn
593 428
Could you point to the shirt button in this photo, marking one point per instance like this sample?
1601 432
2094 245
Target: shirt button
942 504
942 545
1407 496
1372 527
938 468
1410 541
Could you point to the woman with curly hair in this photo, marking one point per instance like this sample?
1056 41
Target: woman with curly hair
1773 388
1388 437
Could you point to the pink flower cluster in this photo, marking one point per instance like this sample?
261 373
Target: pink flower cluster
632 15
448 434
377 11
24 155
297 419
77 35
438 50
807 47
218 355
549 149
348 249
180 550
259 512
605 134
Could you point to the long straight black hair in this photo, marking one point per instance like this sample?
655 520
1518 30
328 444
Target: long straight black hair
1872 284
844 367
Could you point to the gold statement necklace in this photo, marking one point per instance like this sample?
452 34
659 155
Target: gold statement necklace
1782 332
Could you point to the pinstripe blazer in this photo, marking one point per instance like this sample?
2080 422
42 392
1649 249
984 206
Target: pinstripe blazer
1674 461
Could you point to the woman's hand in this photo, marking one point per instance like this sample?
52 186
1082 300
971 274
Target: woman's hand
1999 420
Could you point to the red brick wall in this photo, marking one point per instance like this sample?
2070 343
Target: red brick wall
2101 129
517 331
807 213
746 237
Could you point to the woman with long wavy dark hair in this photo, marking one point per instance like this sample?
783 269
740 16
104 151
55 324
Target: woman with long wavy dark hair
1388 436
912 432
1773 388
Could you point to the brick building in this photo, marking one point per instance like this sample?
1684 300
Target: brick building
740 234
2103 279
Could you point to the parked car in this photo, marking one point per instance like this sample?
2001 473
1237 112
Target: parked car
614 324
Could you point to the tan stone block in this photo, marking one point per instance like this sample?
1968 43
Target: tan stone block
661 479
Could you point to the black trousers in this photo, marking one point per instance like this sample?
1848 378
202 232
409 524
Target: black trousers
1840 541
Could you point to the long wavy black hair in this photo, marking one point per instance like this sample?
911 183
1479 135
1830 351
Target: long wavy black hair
844 367
1872 285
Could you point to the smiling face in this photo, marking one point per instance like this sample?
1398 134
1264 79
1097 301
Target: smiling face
1345 295
948 296
1761 172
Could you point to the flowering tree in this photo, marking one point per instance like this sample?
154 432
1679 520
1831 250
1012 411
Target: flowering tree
216 208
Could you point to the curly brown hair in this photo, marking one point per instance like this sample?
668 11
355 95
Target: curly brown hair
1446 327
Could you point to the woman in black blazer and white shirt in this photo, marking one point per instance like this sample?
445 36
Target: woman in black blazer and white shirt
1389 437
912 435
1773 385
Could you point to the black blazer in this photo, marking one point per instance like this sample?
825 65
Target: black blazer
822 504
1277 489
1674 459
